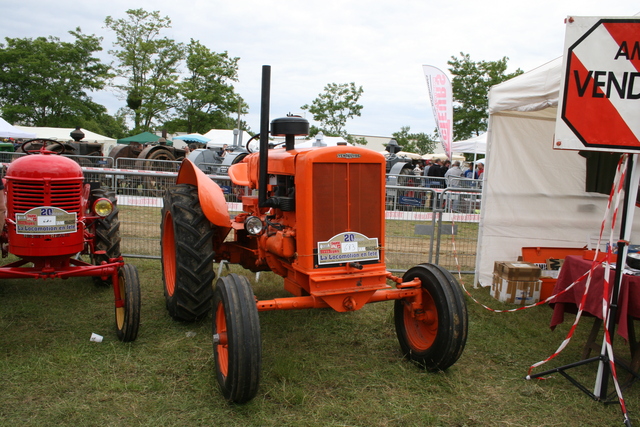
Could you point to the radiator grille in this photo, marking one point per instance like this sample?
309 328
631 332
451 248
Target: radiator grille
346 197
26 195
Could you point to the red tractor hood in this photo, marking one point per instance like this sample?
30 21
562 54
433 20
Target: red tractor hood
38 166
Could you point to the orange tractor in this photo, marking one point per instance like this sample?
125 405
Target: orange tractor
318 221
54 216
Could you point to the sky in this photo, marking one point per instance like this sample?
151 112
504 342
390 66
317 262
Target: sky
379 45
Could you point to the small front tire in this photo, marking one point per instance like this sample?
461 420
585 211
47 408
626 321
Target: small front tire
128 312
435 335
237 346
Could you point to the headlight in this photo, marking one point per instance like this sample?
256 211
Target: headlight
253 225
103 207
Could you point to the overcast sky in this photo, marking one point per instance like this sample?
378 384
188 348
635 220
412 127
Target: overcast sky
379 45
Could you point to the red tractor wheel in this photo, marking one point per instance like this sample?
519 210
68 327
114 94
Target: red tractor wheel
237 347
187 254
107 234
128 315
433 335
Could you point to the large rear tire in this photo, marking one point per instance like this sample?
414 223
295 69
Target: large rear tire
187 254
128 316
435 341
107 234
237 347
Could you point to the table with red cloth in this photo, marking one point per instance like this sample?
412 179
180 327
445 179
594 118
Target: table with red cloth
572 269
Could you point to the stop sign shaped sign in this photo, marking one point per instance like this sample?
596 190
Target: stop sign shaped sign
599 106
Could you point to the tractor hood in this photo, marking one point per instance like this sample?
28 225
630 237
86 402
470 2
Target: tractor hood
38 166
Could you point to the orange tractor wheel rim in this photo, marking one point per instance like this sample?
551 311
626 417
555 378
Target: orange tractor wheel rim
169 254
223 347
422 330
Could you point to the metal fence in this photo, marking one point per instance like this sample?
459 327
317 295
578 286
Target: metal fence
427 219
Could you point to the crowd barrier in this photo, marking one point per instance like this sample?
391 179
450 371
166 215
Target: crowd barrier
427 219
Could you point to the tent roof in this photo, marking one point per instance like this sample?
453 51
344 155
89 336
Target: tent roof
477 145
443 157
142 138
533 91
329 141
8 131
63 134
193 137
219 137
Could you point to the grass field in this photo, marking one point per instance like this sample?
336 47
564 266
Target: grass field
320 368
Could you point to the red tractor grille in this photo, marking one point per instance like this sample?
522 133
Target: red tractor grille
346 197
26 195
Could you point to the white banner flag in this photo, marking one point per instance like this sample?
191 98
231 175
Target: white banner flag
441 96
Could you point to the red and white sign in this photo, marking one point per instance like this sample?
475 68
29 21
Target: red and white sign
599 105
441 96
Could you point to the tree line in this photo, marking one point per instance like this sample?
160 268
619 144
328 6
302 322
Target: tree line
47 82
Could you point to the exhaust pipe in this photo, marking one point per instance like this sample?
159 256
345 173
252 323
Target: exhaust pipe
264 135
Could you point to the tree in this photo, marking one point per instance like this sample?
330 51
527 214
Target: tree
420 143
333 107
207 98
45 82
105 124
471 84
149 64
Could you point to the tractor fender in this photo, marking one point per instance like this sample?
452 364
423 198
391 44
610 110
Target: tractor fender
212 200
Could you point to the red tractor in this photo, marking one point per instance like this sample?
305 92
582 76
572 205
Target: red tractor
318 220
54 217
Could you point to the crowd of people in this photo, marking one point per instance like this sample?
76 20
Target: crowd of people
448 174
441 174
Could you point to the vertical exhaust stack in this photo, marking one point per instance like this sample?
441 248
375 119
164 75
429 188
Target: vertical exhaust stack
264 134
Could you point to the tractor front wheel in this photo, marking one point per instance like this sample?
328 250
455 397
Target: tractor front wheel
187 254
128 314
434 334
237 348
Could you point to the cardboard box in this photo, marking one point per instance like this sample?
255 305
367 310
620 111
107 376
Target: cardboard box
520 271
516 291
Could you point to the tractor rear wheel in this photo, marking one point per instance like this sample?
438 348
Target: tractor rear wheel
187 254
128 316
163 160
434 335
237 347
107 234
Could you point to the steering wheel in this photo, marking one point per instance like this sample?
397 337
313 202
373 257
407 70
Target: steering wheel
249 142
44 149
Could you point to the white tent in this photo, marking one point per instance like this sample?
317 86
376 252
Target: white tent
8 131
476 145
63 134
443 157
534 196
326 141
219 137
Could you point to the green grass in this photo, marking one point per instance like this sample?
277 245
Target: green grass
320 368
